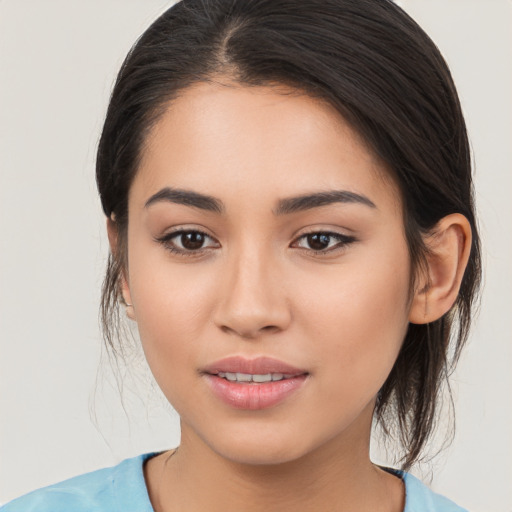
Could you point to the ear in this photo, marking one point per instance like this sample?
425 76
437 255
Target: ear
448 247
112 233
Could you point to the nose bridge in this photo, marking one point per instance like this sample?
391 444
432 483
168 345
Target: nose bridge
253 298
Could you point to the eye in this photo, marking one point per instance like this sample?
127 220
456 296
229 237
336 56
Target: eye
187 242
323 241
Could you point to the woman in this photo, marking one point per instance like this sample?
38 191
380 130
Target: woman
288 195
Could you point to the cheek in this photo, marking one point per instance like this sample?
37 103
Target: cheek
171 320
359 320
173 306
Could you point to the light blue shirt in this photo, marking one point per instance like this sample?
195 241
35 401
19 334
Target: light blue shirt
122 488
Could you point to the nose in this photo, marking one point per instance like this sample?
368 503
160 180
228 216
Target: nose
254 299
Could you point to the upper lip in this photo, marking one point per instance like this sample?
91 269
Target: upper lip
258 366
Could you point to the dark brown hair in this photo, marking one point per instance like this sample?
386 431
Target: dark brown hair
379 69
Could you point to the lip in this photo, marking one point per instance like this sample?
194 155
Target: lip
253 396
259 365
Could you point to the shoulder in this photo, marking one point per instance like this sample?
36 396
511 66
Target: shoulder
120 487
419 498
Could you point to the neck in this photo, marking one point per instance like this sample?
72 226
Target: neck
338 476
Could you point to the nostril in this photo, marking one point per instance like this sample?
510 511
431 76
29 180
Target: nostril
270 328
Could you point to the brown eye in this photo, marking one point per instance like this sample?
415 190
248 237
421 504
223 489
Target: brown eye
192 240
188 242
323 241
318 241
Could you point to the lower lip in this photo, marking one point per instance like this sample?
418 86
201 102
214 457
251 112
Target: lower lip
254 396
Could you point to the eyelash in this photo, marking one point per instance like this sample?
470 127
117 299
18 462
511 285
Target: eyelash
343 241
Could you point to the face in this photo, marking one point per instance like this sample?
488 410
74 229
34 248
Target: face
268 271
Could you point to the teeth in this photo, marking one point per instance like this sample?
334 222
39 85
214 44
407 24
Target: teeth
248 377
262 378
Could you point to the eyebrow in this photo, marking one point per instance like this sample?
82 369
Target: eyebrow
188 198
315 200
284 207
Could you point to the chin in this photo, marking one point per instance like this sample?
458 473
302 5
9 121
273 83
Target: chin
260 450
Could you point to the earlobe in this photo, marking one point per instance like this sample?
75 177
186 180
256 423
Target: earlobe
448 247
112 233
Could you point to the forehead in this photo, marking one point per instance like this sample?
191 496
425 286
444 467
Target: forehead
274 139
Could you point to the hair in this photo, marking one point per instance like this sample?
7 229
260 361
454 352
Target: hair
386 78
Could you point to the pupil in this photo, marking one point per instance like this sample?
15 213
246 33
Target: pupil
318 241
192 240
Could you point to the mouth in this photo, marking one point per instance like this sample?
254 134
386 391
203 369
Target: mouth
249 378
253 384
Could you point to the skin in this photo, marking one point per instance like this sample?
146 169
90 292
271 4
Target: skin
258 289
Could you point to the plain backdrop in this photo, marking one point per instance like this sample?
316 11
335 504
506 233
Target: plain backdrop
60 411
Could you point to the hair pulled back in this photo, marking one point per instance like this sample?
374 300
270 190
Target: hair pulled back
377 67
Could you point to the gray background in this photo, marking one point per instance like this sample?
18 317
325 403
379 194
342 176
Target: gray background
59 415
